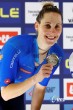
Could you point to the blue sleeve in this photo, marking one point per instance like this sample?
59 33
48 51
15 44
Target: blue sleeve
59 52
8 67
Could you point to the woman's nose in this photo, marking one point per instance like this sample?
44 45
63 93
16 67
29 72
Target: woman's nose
51 31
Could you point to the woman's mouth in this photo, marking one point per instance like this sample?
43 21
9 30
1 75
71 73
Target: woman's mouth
50 38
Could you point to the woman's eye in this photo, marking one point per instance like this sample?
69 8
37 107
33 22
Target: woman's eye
57 27
48 26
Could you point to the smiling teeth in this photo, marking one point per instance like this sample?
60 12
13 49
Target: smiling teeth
50 37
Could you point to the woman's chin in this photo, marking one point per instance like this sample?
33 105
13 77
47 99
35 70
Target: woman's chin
50 43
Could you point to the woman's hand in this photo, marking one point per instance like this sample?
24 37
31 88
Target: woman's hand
44 72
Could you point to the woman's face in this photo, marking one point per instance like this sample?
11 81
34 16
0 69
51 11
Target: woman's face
49 29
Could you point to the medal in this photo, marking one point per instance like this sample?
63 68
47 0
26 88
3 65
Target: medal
53 59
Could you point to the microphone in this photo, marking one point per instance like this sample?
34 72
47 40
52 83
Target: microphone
71 63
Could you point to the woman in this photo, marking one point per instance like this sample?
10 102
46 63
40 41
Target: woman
23 59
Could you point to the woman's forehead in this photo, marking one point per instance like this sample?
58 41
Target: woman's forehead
51 17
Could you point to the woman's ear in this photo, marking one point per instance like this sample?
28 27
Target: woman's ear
36 26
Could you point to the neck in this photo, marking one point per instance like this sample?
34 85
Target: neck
42 51
43 47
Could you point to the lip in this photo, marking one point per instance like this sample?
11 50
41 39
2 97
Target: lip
50 38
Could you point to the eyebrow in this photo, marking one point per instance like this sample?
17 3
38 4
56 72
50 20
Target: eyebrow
50 23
